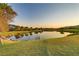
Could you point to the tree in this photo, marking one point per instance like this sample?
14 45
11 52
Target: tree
6 16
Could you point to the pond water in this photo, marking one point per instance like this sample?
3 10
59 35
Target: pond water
43 35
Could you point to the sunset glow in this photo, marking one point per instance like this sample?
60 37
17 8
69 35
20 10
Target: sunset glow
46 15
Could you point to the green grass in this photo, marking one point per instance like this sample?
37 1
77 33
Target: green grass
66 46
70 30
13 33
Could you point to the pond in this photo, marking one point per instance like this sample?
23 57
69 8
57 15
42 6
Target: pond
43 35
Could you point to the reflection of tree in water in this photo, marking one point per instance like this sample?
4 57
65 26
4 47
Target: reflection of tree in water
61 32
30 33
26 34
36 32
40 31
17 35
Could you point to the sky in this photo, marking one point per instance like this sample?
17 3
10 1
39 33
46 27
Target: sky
51 15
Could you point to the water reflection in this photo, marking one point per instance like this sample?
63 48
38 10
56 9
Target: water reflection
30 33
37 36
62 32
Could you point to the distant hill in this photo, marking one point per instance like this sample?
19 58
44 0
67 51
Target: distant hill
69 29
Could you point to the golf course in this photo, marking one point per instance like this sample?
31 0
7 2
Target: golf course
66 46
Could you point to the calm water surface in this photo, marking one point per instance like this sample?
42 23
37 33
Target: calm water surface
43 35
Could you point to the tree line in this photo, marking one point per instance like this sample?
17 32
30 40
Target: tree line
25 28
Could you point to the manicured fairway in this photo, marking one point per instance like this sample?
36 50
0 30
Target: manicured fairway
66 46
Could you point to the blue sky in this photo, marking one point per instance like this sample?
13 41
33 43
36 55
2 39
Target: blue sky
46 15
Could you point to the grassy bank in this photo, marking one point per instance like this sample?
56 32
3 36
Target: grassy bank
12 33
66 46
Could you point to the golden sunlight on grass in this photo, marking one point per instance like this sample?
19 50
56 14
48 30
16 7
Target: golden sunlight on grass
7 42
66 46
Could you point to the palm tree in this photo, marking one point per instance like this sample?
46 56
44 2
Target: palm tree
6 16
